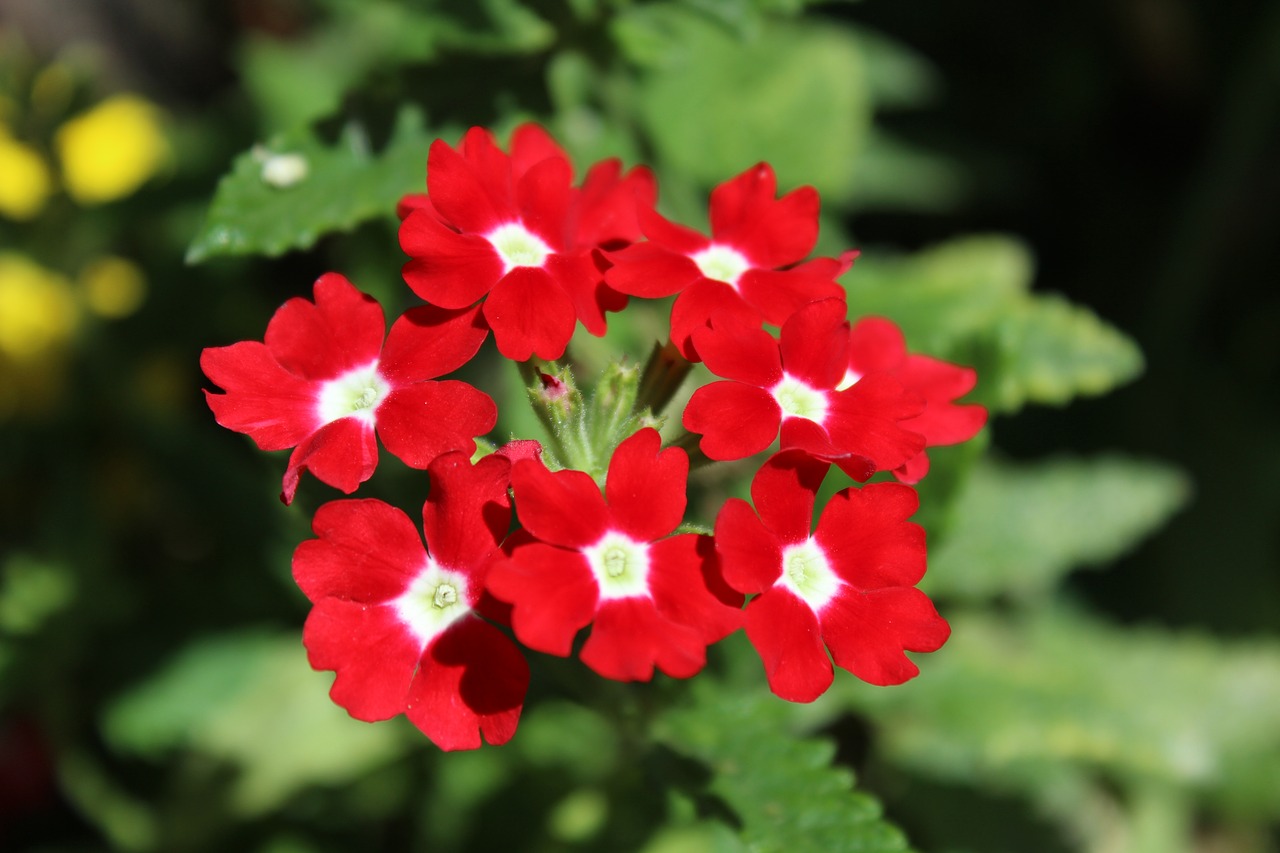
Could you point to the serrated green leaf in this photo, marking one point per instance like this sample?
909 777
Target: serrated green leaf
968 301
783 789
1018 529
1025 703
251 699
290 192
1055 351
715 104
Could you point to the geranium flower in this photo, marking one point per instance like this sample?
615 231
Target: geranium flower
515 230
746 268
877 345
788 387
849 586
401 625
583 558
323 382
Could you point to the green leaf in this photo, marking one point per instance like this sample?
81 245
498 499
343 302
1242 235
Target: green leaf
290 192
782 789
969 300
1027 703
251 699
1017 529
715 104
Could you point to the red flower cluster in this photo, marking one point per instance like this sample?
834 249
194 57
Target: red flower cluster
506 242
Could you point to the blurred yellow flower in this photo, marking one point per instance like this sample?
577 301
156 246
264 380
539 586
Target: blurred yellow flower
113 287
109 151
37 309
26 184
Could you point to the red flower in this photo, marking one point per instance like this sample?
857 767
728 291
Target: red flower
585 558
323 382
848 586
514 229
400 624
790 386
877 345
744 269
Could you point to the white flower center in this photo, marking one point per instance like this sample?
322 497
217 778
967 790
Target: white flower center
517 246
850 379
433 601
798 400
620 564
722 263
355 393
806 572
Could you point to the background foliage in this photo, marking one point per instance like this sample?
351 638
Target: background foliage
1077 201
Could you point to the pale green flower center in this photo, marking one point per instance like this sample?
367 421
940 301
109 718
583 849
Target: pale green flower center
518 247
620 565
721 263
433 601
798 400
806 572
356 393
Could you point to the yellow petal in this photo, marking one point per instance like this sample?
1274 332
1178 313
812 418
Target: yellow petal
26 184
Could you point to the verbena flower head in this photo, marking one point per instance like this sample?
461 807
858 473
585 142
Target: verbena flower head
322 382
514 231
652 599
402 626
848 586
749 268
790 388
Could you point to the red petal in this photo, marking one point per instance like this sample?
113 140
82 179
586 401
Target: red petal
629 638
472 681
788 639
342 330
427 342
867 538
777 294
670 235
564 508
772 233
342 454
814 343
530 145
650 270
867 632
530 314
687 587
698 303
473 193
941 422
645 486
750 554
584 283
913 470
468 512
448 269
543 195
608 213
735 420
263 400
418 422
738 351
373 653
553 594
783 491
866 420
367 551
876 344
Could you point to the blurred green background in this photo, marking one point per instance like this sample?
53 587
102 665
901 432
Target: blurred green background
1081 200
